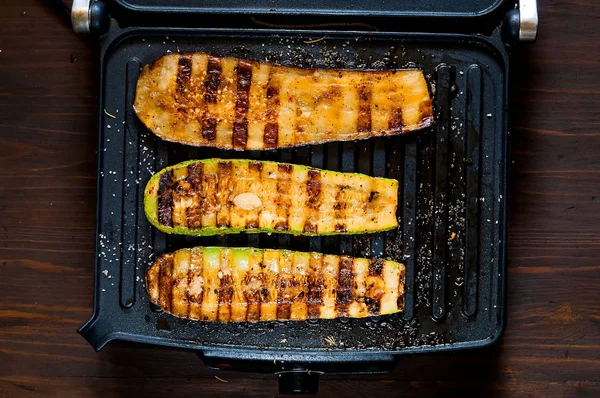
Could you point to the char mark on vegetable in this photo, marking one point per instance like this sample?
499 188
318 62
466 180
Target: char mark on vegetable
165 199
184 74
344 289
213 80
240 125
364 108
209 128
314 284
271 131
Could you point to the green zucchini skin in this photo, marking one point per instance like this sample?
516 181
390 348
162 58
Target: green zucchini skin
311 220
222 284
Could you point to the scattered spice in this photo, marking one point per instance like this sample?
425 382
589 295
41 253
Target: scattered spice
330 340
453 236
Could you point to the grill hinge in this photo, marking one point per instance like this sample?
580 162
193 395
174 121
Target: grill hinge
528 24
89 17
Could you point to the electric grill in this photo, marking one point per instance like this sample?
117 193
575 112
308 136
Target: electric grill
452 233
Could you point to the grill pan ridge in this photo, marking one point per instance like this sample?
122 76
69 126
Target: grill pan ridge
452 200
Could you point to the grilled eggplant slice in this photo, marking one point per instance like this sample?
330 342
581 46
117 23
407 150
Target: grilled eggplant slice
216 196
247 284
232 103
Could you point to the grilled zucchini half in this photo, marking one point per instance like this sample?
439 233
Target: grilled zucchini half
216 196
231 103
250 285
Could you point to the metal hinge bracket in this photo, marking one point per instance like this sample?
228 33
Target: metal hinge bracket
528 20
89 17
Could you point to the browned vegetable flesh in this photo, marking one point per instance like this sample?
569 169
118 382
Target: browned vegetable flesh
215 196
230 103
246 284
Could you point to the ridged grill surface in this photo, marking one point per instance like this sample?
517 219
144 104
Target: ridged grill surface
451 199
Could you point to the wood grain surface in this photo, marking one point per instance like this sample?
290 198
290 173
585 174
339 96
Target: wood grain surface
48 106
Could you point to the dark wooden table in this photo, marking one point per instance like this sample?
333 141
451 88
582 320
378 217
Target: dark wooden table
48 113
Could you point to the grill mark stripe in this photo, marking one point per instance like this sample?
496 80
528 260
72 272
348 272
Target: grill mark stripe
194 175
376 274
165 199
199 174
242 103
396 122
209 196
271 135
225 170
249 297
184 75
225 298
313 190
376 267
283 200
255 167
284 304
271 132
314 282
211 86
344 289
364 109
213 80
209 127
194 178
339 209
